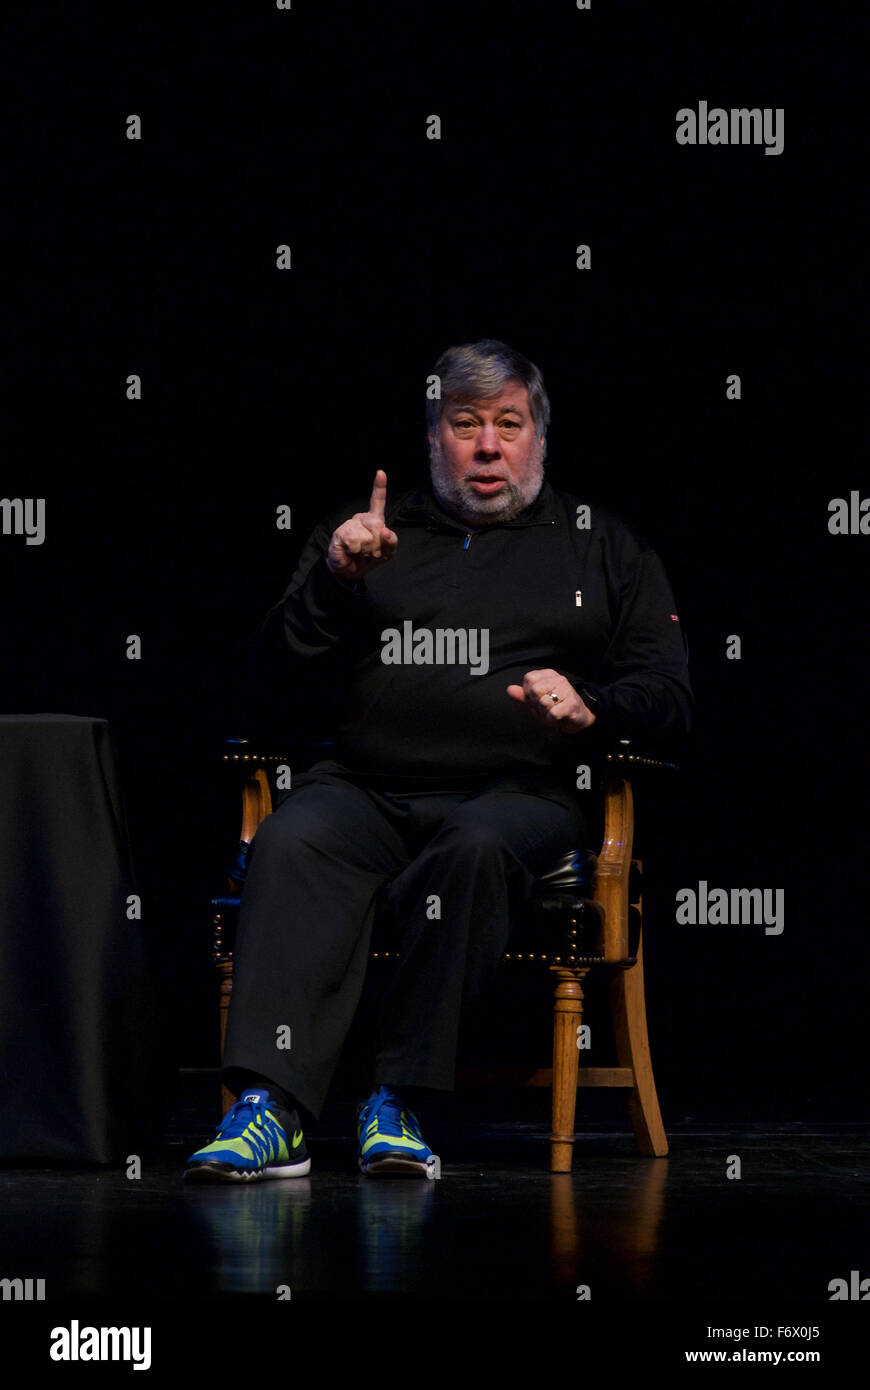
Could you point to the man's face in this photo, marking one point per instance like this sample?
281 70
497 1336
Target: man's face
487 464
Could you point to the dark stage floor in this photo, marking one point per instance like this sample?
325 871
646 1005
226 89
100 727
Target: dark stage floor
496 1227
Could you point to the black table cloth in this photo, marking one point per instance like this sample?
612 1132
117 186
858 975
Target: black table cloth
75 981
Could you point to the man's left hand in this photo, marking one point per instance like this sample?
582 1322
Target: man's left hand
568 715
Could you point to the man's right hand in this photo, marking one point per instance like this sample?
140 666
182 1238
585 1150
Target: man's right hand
363 542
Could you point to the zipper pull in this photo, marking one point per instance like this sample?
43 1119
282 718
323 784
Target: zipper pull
578 599
467 539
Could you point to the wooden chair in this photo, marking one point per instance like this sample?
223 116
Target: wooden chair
585 914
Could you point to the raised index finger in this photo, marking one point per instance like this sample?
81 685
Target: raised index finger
379 493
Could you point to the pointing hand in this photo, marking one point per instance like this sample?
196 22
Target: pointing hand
365 541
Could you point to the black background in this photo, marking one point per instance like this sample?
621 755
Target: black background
264 387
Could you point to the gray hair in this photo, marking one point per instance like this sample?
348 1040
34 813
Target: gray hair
481 370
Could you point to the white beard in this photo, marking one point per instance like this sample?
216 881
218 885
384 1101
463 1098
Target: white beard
460 498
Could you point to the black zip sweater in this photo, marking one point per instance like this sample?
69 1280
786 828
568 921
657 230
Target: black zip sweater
594 604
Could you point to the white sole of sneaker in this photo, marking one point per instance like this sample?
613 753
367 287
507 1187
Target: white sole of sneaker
394 1163
288 1170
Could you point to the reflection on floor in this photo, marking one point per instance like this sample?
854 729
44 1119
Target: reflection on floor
496 1225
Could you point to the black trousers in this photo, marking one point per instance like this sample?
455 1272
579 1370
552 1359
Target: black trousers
455 866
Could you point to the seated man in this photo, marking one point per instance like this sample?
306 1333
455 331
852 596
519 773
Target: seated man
479 640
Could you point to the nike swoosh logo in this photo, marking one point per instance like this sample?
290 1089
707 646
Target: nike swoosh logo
297 1138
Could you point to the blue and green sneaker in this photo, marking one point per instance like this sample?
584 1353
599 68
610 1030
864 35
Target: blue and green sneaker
251 1144
389 1138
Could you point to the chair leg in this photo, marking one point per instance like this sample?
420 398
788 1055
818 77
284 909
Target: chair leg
568 1011
628 1003
225 969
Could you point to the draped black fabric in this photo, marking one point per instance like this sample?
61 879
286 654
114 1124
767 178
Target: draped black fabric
75 1019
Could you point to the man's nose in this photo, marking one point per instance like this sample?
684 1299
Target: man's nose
488 441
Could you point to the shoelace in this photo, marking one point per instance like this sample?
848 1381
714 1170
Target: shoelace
243 1113
392 1109
263 1141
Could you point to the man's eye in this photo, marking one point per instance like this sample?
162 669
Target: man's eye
510 424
